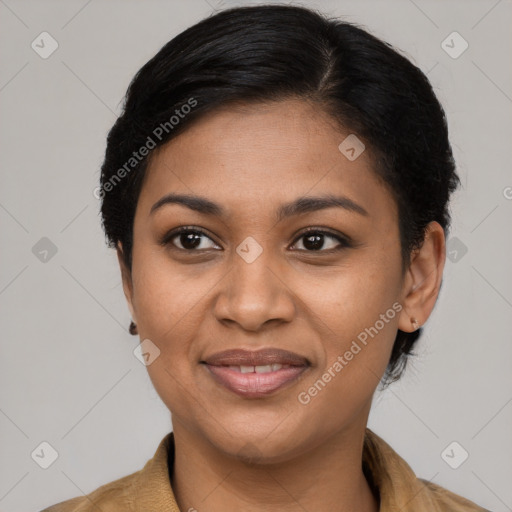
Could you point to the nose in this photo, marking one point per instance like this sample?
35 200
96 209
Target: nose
255 293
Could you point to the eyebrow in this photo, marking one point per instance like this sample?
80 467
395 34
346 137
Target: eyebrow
297 207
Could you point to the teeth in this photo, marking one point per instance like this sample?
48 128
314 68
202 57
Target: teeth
258 369
263 369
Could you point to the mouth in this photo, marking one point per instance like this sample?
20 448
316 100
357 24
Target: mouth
255 374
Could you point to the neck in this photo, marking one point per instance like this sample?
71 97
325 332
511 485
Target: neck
327 478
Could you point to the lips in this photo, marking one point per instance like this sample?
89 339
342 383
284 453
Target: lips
263 357
255 374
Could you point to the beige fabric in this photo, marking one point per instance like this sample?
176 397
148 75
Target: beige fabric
149 489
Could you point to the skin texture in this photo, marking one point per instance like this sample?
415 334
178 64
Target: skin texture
234 453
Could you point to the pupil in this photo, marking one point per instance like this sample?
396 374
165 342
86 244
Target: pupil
192 239
313 242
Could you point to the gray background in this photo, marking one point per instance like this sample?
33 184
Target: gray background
68 375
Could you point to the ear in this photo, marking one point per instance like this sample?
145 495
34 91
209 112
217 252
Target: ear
423 279
127 280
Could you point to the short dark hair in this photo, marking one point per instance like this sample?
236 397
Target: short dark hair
270 53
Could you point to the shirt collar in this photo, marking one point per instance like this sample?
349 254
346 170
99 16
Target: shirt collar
395 481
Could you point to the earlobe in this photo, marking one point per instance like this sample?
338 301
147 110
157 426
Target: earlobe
423 280
126 280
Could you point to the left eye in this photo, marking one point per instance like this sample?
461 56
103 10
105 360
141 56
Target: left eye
315 241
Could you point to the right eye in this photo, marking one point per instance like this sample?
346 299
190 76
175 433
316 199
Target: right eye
189 239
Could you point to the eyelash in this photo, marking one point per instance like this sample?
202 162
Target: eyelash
345 242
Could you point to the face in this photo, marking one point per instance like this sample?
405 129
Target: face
323 282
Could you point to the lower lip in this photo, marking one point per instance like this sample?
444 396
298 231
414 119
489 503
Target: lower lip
254 385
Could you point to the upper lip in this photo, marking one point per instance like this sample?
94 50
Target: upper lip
262 357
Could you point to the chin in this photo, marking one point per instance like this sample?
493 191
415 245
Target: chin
256 444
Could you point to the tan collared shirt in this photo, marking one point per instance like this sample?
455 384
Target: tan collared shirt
149 490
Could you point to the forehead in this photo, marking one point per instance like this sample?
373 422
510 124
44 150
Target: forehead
248 156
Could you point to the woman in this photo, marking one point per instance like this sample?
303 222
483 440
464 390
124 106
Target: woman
277 191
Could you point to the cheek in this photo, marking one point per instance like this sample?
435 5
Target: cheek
167 296
171 306
357 311
353 297
357 348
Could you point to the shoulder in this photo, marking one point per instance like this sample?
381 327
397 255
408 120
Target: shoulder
111 497
399 487
447 501
145 489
